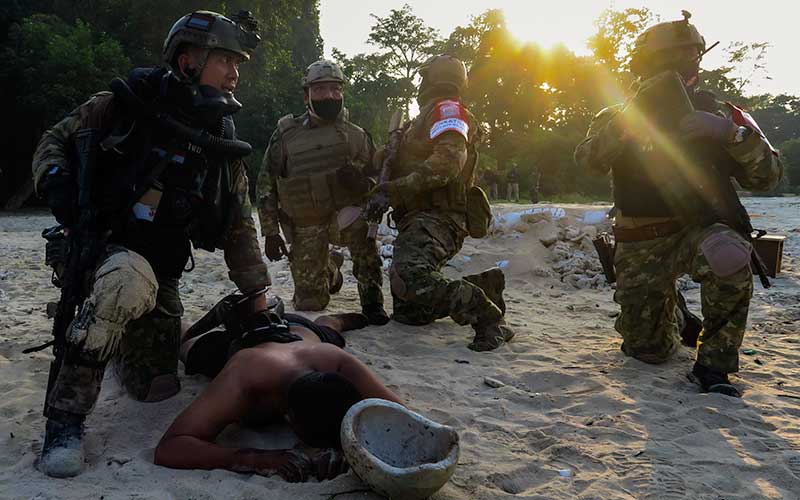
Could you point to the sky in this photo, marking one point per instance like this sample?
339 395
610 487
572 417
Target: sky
345 24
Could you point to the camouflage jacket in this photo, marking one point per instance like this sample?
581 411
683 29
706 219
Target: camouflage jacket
239 242
430 170
606 146
761 169
276 162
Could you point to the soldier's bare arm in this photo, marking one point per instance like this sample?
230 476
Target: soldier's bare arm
242 253
442 166
603 142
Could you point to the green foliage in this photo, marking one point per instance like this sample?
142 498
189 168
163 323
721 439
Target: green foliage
56 66
790 153
616 33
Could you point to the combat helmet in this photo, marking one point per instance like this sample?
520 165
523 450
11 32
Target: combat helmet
322 71
444 70
210 30
654 45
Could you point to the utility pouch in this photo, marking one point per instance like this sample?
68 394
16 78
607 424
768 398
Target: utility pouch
479 212
605 246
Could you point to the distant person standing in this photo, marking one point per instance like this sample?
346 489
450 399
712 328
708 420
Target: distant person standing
491 184
534 185
512 178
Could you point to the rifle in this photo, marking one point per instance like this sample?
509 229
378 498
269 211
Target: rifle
84 243
378 204
735 215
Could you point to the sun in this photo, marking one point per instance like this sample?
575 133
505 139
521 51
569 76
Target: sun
548 24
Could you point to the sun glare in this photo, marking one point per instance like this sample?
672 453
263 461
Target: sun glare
549 24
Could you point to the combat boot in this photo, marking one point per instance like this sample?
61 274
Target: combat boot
491 335
711 380
492 282
375 313
338 280
62 452
692 325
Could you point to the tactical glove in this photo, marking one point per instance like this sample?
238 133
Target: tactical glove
61 193
705 125
274 247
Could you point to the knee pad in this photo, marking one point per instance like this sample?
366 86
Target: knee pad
726 253
398 285
124 289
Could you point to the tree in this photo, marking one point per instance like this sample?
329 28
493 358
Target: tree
404 42
50 67
613 42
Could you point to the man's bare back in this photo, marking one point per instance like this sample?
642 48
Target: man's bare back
256 384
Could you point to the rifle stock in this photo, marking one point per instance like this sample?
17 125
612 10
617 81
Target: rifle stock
378 204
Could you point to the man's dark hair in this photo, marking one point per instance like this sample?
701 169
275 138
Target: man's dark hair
318 402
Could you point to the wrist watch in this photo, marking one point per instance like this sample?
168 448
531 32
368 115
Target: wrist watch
741 134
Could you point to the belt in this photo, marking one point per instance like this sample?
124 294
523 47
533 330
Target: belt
650 232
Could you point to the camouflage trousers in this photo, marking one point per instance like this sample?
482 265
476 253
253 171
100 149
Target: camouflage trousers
314 272
132 317
716 257
420 292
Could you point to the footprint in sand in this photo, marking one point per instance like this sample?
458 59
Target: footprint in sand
794 465
522 479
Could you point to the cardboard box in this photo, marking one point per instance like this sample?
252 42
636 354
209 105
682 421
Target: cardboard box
770 249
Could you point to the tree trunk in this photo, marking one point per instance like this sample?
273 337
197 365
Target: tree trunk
21 195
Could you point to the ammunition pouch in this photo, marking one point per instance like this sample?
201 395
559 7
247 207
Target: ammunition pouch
313 199
479 212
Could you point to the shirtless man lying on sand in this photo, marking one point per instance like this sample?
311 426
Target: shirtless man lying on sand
295 371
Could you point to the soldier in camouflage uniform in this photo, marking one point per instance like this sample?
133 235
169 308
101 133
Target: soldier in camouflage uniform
168 175
314 179
428 192
671 152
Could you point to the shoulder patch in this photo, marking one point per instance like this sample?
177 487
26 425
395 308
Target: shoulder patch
286 122
744 119
448 116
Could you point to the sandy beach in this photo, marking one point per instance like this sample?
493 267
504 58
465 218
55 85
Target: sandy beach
559 413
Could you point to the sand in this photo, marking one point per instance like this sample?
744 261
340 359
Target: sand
558 413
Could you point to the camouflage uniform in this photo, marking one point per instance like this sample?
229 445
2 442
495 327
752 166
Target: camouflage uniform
304 148
709 251
427 193
133 309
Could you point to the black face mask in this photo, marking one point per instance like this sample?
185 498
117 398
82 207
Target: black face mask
327 109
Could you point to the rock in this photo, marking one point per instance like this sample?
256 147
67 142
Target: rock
520 227
492 382
534 218
590 231
547 232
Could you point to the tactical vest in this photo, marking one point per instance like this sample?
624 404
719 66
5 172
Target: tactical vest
416 147
669 177
309 188
187 204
